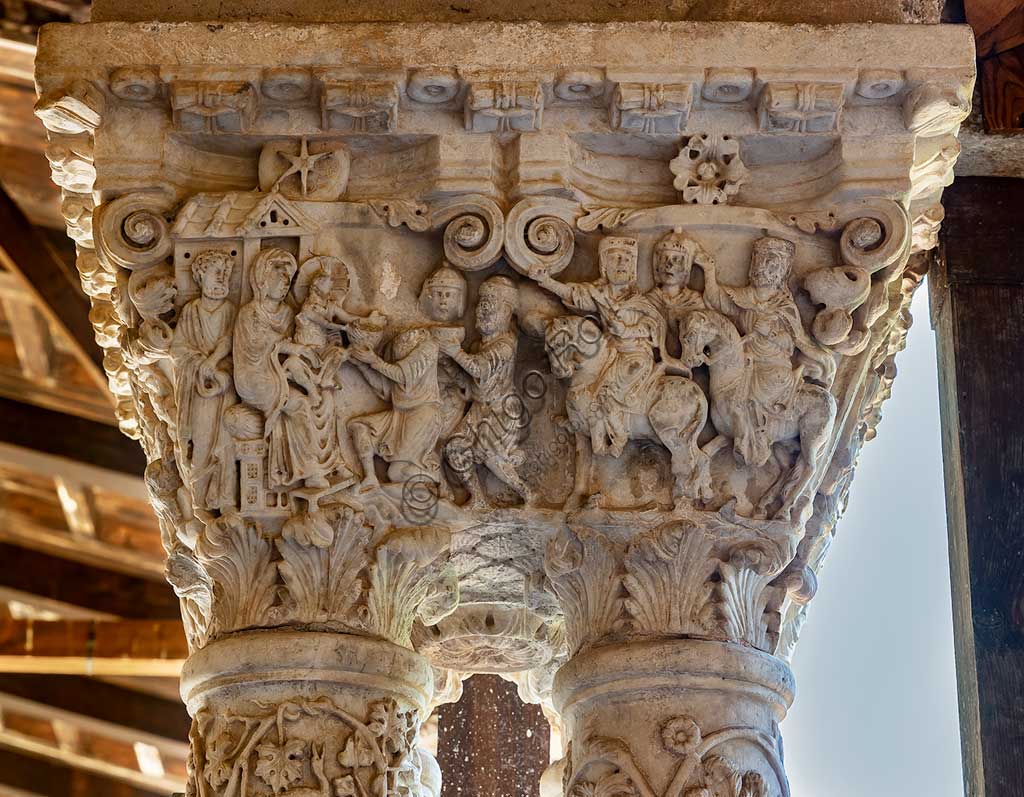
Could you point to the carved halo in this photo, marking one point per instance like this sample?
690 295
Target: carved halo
341 279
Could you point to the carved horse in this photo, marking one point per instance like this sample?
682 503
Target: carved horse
673 410
710 338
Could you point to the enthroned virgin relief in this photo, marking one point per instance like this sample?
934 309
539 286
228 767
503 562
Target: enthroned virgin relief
438 368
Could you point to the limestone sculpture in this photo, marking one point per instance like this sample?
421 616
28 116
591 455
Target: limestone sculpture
539 350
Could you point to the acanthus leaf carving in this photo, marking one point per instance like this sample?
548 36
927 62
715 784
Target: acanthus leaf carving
239 561
584 573
324 582
408 576
667 581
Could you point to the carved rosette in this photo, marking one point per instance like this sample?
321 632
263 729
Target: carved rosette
471 360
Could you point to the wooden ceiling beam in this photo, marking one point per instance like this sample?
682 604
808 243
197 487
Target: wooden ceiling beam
33 775
92 647
25 252
94 762
17 60
85 586
126 708
999 34
18 530
59 467
62 435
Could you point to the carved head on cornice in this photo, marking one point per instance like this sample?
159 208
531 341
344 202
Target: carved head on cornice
443 296
771 262
618 260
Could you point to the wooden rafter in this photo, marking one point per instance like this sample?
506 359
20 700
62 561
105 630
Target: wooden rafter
32 775
92 647
62 435
999 33
99 589
126 708
27 253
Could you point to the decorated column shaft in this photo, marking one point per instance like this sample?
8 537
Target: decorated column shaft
540 350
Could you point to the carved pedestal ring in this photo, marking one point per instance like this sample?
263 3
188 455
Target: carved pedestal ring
309 715
678 718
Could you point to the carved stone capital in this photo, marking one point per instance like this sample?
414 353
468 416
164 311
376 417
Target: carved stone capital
498 348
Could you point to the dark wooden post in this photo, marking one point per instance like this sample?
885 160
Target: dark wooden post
977 294
490 743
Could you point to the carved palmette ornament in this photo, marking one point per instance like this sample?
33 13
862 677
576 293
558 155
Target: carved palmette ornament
679 579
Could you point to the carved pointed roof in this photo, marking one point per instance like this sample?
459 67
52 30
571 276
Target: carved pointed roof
237 214
295 218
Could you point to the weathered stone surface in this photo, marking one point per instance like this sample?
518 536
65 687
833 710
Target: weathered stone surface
785 11
509 348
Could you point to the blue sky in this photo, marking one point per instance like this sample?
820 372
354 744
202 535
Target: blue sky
876 710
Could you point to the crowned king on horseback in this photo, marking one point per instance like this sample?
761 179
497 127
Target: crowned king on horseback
623 385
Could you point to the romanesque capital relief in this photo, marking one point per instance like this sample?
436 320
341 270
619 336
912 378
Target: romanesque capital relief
456 349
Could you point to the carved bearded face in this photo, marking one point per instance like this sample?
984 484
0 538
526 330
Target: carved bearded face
212 270
492 313
618 265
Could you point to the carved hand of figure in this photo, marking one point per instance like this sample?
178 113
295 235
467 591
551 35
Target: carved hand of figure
212 381
368 356
449 347
206 371
617 328
539 274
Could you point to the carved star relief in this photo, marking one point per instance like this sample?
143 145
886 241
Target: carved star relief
301 164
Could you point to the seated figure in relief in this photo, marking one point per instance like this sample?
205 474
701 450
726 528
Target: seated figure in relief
406 434
201 353
488 435
273 375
